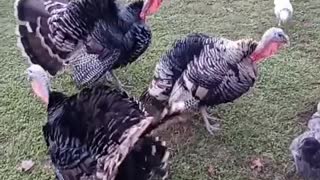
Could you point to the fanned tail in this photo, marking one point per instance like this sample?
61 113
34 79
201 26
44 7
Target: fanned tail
33 34
149 160
49 31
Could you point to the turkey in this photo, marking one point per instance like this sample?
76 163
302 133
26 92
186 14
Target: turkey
54 36
305 149
283 11
99 133
202 71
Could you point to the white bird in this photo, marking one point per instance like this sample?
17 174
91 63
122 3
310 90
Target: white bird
283 10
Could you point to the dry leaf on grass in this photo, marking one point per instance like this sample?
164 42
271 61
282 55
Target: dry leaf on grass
257 165
211 171
26 165
307 24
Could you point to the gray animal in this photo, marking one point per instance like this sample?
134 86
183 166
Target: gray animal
305 149
202 71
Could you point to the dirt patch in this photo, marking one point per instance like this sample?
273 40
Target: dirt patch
179 132
264 168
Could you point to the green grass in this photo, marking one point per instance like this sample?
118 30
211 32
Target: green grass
260 124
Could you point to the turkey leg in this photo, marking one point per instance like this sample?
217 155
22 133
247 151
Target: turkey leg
206 117
193 104
180 107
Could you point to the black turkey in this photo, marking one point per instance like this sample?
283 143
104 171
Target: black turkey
201 71
99 133
90 37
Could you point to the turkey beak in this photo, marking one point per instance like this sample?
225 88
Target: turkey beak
26 74
286 40
143 16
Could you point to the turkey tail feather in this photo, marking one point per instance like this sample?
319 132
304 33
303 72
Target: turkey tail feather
153 106
149 159
156 155
118 153
33 35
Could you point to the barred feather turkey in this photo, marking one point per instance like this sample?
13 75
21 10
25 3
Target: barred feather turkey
90 37
202 71
99 133
305 149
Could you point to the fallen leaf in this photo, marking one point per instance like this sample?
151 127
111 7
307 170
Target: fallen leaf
257 165
229 9
25 165
307 24
211 171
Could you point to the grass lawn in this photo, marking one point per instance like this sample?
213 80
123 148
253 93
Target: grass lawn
258 125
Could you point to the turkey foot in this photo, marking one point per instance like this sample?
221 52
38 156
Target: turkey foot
211 128
176 107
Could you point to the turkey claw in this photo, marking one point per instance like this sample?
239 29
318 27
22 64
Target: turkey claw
212 128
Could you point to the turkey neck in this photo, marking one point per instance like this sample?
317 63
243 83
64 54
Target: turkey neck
263 50
131 12
40 86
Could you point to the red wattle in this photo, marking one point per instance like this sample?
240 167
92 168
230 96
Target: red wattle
40 91
256 57
266 52
154 6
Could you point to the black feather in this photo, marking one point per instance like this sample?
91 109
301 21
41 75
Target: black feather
147 158
184 51
87 126
153 106
310 152
129 35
